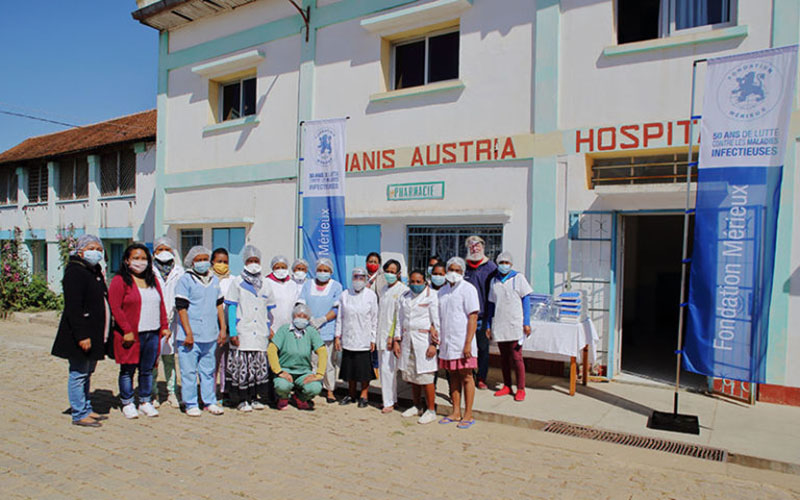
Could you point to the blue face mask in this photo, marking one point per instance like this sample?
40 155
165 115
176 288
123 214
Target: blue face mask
300 323
390 278
504 268
323 276
417 287
93 257
437 280
202 266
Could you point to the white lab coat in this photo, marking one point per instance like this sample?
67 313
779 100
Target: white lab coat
286 293
387 311
168 295
507 297
252 313
357 321
415 316
455 306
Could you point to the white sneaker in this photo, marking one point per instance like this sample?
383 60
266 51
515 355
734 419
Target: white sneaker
194 412
427 417
215 409
155 403
147 410
243 406
129 410
173 401
411 412
258 406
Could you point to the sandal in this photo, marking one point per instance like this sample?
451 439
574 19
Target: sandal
447 420
465 424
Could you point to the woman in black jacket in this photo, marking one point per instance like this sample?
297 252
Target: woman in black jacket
84 325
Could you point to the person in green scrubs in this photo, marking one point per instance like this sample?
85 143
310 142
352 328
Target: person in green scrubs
289 355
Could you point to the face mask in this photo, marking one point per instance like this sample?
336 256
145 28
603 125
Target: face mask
391 278
359 285
417 288
300 323
92 256
253 268
137 266
202 266
323 276
164 256
281 274
430 270
299 275
437 280
453 277
504 268
221 268
372 268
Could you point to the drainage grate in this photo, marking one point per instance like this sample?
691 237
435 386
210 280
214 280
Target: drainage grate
690 450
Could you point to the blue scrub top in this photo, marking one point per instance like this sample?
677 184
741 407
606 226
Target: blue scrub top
202 307
320 305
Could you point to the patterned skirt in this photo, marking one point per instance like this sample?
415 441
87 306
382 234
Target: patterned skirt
247 375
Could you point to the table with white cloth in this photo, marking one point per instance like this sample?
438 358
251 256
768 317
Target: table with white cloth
562 342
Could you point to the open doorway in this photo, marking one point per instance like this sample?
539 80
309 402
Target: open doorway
651 296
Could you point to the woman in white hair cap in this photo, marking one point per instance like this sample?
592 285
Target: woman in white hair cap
168 270
299 272
285 289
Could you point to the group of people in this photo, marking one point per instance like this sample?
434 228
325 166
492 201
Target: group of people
268 337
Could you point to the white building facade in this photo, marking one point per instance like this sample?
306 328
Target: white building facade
556 129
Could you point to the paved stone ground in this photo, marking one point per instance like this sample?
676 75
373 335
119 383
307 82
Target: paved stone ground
333 452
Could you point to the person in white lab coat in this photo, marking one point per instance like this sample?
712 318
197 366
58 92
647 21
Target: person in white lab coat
389 297
168 270
458 350
299 272
415 343
509 321
356 326
286 292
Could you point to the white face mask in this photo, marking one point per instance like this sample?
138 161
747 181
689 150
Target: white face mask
137 266
164 256
453 277
300 275
253 268
359 285
281 274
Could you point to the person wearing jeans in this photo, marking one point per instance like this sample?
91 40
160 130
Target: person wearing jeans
80 375
136 300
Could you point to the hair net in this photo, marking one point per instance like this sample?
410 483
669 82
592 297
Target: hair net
85 240
301 308
474 239
359 271
164 240
457 260
324 261
277 259
297 262
249 251
194 252
504 257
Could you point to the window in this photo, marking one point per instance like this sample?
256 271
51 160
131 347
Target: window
427 60
660 169
37 183
190 238
231 239
118 173
73 179
8 186
238 99
448 241
649 19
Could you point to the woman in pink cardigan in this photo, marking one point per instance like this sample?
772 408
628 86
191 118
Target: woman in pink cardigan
141 320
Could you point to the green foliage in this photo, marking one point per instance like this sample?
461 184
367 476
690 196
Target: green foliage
19 290
66 244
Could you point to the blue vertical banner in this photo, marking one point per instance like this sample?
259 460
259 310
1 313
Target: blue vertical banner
323 192
746 109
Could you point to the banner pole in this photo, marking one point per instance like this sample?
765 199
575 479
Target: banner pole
298 209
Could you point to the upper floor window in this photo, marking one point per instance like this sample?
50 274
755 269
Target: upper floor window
237 99
73 179
639 20
8 186
118 173
433 58
37 183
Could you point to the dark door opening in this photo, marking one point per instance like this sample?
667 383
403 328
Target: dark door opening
651 297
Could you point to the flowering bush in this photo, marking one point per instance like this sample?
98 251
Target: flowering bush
66 244
19 290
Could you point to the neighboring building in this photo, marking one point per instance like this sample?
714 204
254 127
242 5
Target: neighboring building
97 179
557 129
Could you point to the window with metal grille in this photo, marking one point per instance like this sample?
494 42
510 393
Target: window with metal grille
190 238
73 179
238 99
658 169
37 183
448 241
433 58
118 173
8 186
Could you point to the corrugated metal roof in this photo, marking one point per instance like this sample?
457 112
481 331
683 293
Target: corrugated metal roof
135 127
167 14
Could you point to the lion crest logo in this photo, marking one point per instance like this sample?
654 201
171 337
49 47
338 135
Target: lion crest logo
750 90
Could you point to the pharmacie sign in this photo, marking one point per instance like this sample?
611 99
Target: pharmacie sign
415 191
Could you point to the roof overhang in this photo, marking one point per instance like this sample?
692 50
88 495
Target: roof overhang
168 14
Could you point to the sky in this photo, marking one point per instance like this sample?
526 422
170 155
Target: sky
73 61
